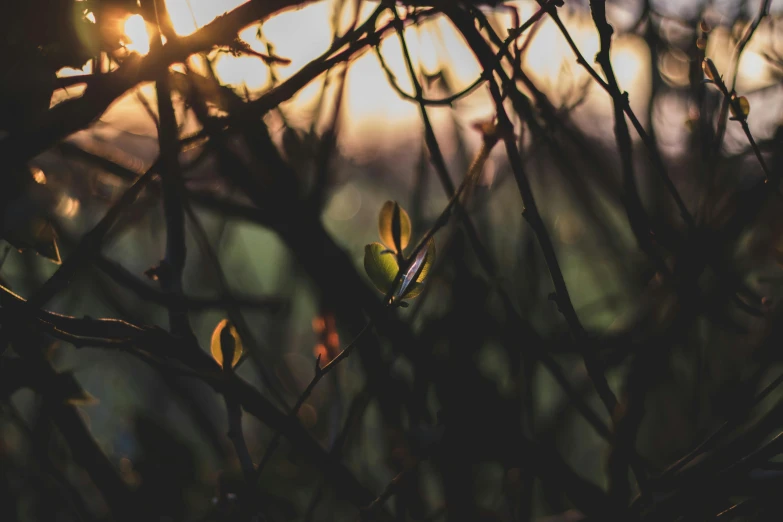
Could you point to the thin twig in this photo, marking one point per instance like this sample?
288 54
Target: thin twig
622 448
122 276
75 114
658 162
91 242
391 488
120 335
319 374
391 299
483 254
727 98
170 271
532 216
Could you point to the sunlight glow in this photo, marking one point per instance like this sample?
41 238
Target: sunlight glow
70 71
627 61
38 176
426 43
300 35
136 30
67 207
753 72
189 15
543 57
241 71
371 106
754 67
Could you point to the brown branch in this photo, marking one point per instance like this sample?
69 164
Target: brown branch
483 255
235 315
320 373
91 242
625 438
637 215
124 277
171 268
75 114
35 372
727 99
120 335
464 24
419 98
389 300
649 143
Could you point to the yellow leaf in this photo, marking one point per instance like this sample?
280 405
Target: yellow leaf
222 332
386 225
709 69
744 106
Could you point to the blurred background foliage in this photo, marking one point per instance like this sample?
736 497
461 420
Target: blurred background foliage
457 391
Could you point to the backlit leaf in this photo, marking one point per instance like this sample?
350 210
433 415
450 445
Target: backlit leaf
386 227
223 332
381 266
710 71
744 106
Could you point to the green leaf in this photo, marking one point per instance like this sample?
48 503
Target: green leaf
391 215
381 266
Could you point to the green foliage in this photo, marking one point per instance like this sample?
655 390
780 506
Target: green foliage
381 266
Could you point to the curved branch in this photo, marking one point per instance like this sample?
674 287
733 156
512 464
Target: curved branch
76 114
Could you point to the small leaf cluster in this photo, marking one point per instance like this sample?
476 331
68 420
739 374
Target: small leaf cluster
382 261
738 105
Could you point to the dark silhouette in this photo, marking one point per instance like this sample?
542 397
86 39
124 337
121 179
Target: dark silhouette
568 312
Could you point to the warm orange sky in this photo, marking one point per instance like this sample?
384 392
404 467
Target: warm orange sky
301 35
